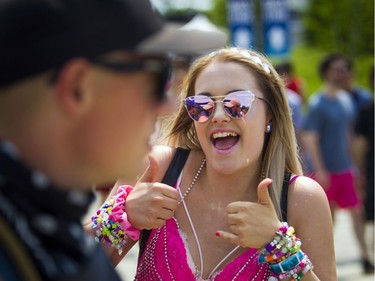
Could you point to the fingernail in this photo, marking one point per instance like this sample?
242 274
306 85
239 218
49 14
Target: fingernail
217 233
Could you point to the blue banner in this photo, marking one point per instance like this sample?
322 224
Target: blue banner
241 22
276 33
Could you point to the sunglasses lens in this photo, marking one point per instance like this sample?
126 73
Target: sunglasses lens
199 108
237 104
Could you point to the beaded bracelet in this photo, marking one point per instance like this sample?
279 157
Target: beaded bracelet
288 264
281 247
111 223
284 255
299 271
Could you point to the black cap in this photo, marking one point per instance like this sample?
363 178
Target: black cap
37 35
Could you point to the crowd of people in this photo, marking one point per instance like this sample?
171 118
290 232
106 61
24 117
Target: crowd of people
240 180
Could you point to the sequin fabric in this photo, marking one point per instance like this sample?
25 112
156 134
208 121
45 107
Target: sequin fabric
165 258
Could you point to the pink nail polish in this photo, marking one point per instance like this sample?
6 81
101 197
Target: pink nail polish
217 233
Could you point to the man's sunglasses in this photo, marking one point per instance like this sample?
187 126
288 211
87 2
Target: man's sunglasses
236 104
159 67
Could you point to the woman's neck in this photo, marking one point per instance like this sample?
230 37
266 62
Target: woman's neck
235 186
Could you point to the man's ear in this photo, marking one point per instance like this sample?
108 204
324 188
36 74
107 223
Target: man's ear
69 85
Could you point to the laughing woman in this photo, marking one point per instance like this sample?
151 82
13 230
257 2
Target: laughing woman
240 208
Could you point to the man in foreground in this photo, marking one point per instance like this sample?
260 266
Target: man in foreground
82 85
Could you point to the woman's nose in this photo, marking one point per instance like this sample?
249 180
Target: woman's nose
219 114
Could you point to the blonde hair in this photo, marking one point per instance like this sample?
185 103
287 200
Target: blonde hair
280 152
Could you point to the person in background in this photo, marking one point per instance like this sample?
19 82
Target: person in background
327 137
364 156
292 82
296 106
294 99
238 191
346 80
362 101
83 84
361 98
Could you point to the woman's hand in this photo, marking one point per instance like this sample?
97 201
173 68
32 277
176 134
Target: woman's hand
150 203
252 225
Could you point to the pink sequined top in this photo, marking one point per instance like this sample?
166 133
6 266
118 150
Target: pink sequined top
166 258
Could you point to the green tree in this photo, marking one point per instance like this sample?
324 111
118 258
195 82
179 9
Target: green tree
218 13
342 25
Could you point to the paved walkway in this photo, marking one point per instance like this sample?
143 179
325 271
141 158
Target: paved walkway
347 250
347 254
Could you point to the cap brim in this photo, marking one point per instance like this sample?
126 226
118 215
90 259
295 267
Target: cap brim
186 39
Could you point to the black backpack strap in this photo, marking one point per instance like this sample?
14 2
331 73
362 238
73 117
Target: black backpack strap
170 178
284 197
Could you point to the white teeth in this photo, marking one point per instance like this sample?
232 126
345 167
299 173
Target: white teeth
224 135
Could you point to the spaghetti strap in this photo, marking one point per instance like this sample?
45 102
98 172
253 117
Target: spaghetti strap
284 197
288 179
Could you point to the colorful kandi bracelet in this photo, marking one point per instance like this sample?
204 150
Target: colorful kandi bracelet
111 222
284 255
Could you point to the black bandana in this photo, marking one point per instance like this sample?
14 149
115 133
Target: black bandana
47 220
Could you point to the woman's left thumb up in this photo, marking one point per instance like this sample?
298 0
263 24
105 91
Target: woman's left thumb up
263 193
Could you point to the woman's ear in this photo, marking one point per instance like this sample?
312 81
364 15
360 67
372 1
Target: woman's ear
69 85
269 126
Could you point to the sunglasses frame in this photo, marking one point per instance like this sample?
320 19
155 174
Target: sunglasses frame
214 100
159 66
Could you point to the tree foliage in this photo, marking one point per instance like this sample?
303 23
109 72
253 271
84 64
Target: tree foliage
342 25
218 13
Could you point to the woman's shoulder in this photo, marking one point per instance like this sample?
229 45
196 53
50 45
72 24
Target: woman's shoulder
303 186
306 196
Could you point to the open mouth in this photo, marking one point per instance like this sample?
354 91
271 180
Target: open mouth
225 140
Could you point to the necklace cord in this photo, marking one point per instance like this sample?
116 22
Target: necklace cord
193 181
192 225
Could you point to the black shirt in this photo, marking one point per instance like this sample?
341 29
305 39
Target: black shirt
365 127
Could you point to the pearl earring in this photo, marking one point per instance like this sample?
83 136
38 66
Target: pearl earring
269 128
